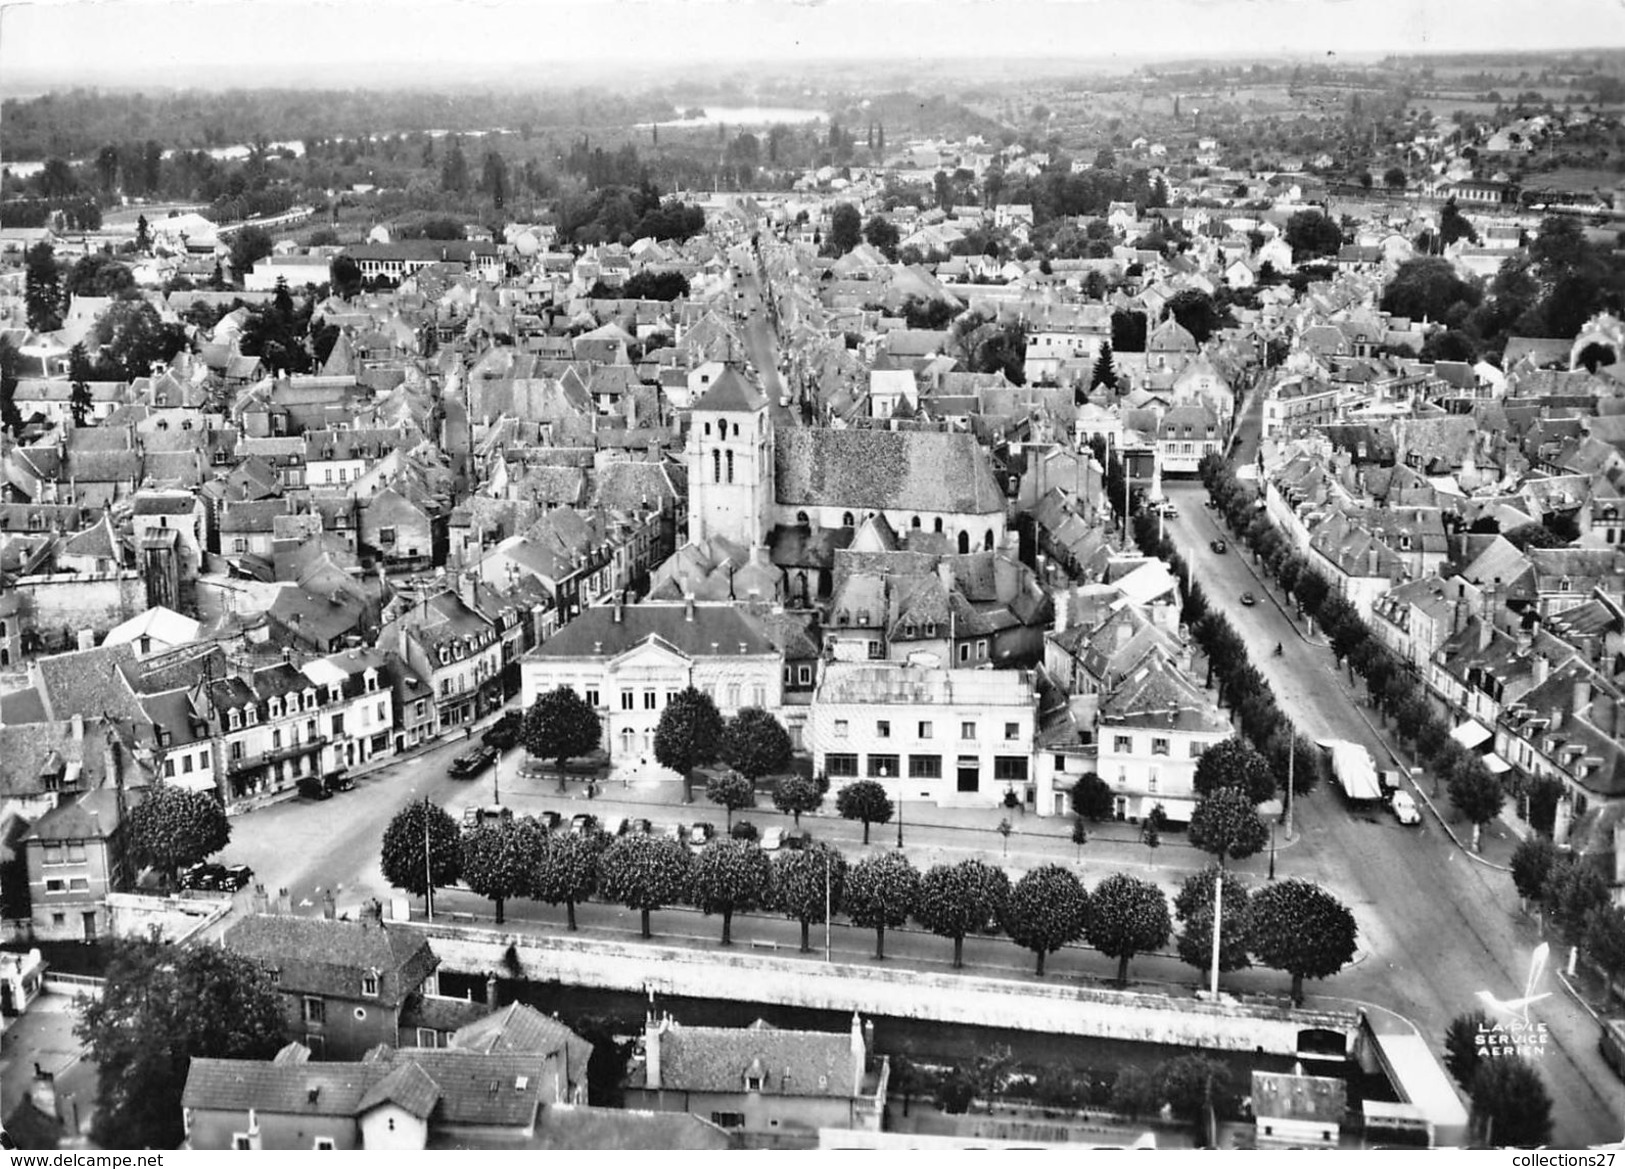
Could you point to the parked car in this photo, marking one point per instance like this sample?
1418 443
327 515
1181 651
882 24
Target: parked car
636 825
1219 546
1248 599
217 877
312 788
471 763
773 839
701 833
475 816
340 783
504 733
1405 809
582 823
549 818
1169 511
797 838
674 832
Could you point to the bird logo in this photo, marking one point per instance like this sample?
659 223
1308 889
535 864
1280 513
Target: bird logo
1519 1007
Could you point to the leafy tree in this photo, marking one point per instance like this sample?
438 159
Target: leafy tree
865 800
494 180
1196 313
42 289
1235 764
133 338
143 235
1462 1054
1312 234
1428 287
1533 535
1127 916
1477 795
963 898
1511 1105
1047 909
881 891
730 875
882 233
1300 928
560 726
1104 373
645 873
1128 331
173 827
79 372
1605 939
1574 888
1190 1084
935 313
98 274
161 1007
566 870
344 274
809 884
1227 825
454 170
249 246
500 859
1135 1092
1092 797
845 229
416 828
1194 908
1531 864
731 791
796 794
689 732
754 743
11 418
1453 225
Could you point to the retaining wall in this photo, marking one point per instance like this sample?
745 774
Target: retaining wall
745 975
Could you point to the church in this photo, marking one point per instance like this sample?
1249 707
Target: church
745 478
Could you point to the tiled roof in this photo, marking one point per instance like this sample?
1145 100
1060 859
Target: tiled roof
597 633
731 393
285 1089
789 1063
87 682
320 956
923 471
408 1087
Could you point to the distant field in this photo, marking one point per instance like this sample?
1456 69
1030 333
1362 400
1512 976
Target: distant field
1575 179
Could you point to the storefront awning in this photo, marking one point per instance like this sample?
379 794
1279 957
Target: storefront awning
1470 734
192 783
1496 764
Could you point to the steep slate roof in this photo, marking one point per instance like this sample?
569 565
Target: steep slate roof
790 1063
596 633
731 393
327 957
286 1089
924 471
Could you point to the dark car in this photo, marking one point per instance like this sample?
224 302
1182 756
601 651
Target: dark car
340 783
1219 546
582 823
1248 599
209 877
550 818
797 838
471 763
701 833
504 733
313 788
637 826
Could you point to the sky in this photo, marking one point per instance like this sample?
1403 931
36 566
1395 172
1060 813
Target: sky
107 42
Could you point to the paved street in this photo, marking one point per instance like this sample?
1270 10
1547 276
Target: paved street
1440 926
1436 926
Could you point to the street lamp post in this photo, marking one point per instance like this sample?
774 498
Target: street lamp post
1272 850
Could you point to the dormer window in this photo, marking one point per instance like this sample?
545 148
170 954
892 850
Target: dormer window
369 984
753 1083
310 700
234 720
1565 585
275 708
250 716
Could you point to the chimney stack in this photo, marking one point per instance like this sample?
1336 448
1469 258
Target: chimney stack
1582 696
688 607
1619 854
259 901
1542 668
78 727
651 1051
859 1054
284 902
1486 632
491 990
330 908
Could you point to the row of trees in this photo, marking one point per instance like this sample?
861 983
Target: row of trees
1511 1107
1573 896
1474 790
1293 926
